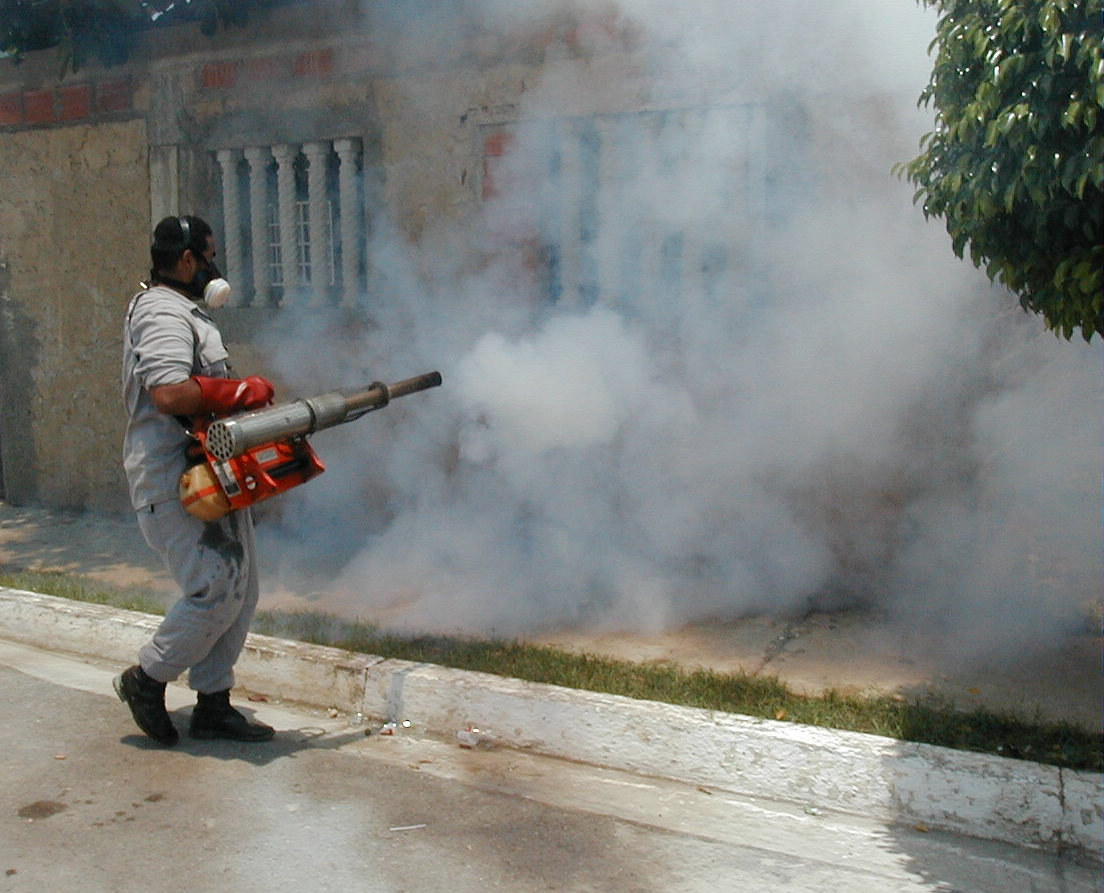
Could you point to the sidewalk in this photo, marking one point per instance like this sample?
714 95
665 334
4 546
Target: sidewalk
848 652
94 807
822 771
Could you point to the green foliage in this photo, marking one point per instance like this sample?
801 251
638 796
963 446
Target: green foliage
1015 164
107 30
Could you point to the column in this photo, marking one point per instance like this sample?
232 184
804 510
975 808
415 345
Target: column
569 193
754 213
610 246
320 256
164 174
650 232
348 150
231 221
258 158
696 171
289 237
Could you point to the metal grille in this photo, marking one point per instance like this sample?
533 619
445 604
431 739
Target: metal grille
636 206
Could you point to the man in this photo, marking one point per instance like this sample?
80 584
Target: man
174 370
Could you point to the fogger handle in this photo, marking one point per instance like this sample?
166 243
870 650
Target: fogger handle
233 436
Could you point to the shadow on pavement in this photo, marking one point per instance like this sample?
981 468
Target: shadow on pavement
287 743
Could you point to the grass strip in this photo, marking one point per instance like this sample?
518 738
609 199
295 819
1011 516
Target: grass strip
928 721
81 589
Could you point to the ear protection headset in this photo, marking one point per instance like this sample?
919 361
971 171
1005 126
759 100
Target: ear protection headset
185 231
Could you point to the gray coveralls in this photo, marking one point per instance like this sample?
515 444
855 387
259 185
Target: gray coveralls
168 338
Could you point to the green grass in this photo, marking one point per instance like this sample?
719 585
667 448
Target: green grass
926 721
83 590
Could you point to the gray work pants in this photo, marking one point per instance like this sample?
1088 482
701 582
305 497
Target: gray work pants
214 564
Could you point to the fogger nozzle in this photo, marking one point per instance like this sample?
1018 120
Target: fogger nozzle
233 436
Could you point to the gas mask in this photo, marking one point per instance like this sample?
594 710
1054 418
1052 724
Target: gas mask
209 286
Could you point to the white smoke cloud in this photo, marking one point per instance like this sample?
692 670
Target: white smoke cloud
835 412
572 387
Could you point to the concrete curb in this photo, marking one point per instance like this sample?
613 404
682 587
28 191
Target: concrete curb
1013 801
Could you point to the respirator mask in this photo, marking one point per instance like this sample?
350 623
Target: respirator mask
209 286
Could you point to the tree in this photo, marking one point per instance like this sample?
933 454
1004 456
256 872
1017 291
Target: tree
1015 164
106 30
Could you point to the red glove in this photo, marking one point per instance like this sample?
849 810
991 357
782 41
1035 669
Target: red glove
224 396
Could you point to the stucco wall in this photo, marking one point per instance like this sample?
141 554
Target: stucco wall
78 198
73 230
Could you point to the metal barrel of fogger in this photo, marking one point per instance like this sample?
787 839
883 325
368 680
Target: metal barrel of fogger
233 436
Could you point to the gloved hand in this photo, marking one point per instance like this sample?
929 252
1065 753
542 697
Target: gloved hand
229 395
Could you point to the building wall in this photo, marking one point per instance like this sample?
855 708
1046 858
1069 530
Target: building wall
89 162
72 238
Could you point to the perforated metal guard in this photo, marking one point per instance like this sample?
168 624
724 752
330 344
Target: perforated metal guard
220 442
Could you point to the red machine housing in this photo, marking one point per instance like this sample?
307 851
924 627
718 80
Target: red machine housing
266 471
258 474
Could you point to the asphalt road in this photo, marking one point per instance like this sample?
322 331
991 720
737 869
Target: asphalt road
89 805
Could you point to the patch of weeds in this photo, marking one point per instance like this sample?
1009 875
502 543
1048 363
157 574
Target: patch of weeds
928 722
81 589
1008 735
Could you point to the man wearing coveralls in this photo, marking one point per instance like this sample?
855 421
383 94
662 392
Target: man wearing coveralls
174 369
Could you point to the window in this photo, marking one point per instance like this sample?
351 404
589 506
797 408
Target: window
635 206
303 245
294 223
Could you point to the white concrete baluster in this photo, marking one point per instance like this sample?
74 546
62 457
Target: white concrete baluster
318 154
611 244
650 231
570 198
231 220
258 158
285 156
348 150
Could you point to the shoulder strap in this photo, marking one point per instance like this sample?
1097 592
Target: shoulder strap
185 422
130 308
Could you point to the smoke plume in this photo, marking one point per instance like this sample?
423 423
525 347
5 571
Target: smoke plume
756 381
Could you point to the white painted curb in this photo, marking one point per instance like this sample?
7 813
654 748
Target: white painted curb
1014 801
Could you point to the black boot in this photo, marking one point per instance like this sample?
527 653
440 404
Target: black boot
213 717
146 699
